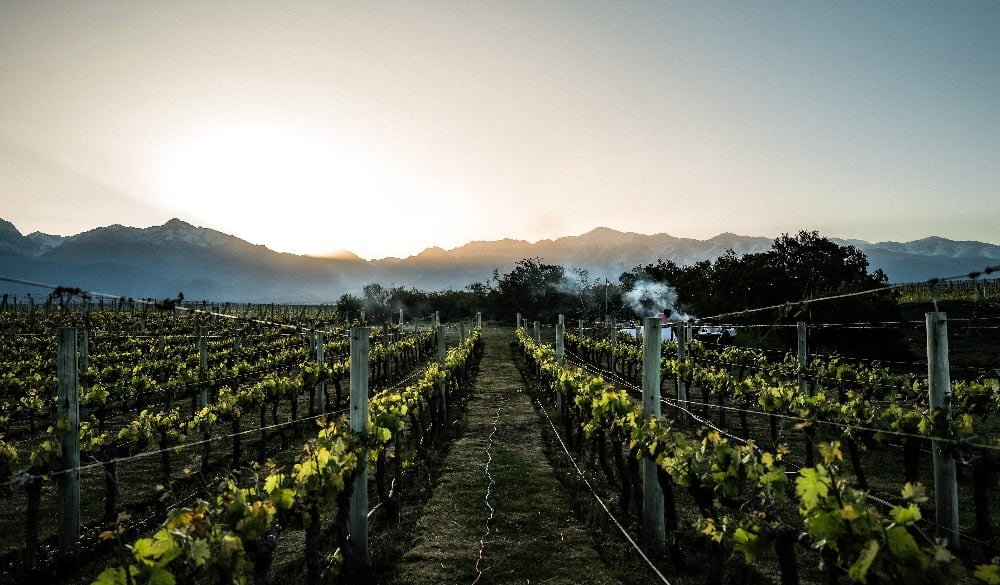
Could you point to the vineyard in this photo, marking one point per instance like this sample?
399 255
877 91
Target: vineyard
183 443
173 442
799 462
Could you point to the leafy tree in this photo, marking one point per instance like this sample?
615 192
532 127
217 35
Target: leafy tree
809 266
415 303
796 269
536 290
349 306
376 299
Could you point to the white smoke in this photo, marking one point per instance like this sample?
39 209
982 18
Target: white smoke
649 298
573 283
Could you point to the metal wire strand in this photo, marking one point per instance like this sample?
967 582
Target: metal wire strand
490 482
586 482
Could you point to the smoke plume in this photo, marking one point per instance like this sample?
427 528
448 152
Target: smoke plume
649 298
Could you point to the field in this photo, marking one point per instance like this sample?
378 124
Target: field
218 447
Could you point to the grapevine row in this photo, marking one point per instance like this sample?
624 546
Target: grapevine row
739 489
231 538
235 397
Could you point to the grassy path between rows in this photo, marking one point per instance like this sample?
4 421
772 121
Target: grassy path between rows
533 536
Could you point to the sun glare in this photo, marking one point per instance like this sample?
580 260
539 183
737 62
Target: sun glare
272 185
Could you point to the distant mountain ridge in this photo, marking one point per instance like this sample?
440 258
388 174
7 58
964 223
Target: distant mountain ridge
159 261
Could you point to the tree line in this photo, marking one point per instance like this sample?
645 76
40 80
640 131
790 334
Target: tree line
796 268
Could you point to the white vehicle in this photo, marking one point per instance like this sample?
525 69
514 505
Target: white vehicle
715 331
667 334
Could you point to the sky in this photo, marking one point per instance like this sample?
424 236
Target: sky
384 128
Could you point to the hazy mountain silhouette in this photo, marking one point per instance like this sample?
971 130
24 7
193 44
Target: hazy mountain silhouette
159 261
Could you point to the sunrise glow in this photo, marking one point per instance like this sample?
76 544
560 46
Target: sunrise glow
387 129
242 173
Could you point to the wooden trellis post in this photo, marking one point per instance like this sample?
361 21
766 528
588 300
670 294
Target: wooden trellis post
939 390
681 355
68 410
320 360
653 527
805 388
560 356
358 539
202 371
442 357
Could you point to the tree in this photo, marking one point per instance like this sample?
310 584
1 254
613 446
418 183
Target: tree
376 299
790 274
535 290
349 306
811 265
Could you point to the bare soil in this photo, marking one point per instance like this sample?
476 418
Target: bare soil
498 460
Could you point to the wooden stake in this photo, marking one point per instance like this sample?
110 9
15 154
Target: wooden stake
939 390
560 357
804 388
85 357
653 528
68 410
681 355
203 372
320 360
442 356
358 538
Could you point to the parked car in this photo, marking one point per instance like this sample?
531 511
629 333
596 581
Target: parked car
668 333
715 331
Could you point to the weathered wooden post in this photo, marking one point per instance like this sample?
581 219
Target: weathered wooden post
613 338
441 345
358 539
653 527
442 357
85 357
538 333
518 321
202 371
803 358
560 357
388 337
681 356
939 391
320 360
401 319
805 388
68 409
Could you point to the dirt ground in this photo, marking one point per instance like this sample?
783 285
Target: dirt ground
498 464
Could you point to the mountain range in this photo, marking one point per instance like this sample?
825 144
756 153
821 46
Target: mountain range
160 261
